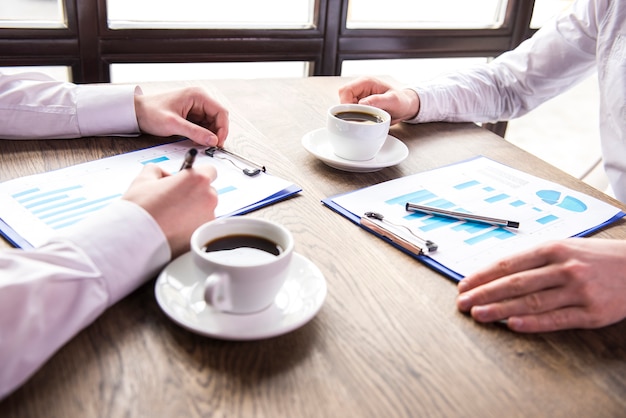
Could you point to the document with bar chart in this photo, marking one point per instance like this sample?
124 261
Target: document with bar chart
480 186
35 207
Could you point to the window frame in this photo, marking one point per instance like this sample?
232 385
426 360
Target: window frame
88 45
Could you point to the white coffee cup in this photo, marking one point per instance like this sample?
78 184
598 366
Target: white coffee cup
244 279
357 132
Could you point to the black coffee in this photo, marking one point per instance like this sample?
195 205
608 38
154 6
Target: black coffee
243 248
361 117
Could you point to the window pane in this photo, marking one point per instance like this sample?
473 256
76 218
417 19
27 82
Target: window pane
557 125
32 14
425 14
59 73
547 9
137 73
207 14
408 71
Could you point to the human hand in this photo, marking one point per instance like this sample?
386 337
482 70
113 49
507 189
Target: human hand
573 283
401 104
189 112
179 203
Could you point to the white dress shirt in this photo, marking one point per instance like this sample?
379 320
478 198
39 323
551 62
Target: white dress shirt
49 294
35 106
589 37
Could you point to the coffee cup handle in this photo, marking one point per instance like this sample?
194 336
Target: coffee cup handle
216 291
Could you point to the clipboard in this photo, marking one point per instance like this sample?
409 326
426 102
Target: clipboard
35 206
548 211
409 249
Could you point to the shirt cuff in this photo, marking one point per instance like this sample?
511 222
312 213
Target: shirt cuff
422 115
107 109
126 245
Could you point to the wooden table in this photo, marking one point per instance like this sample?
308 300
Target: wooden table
388 341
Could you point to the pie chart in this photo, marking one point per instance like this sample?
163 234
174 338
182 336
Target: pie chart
554 197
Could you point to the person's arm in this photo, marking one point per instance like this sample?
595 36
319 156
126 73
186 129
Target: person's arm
32 106
560 55
49 294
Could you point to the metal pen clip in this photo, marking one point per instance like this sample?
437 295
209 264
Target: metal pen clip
247 171
375 221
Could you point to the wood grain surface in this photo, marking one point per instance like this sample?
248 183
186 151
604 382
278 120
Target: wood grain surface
388 341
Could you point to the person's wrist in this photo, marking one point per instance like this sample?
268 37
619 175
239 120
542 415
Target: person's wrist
138 109
414 104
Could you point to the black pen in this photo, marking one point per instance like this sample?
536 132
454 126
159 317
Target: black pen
190 157
462 216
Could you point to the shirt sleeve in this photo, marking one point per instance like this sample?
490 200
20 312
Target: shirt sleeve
49 294
557 57
33 106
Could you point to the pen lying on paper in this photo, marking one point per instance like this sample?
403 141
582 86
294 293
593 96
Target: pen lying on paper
460 215
190 157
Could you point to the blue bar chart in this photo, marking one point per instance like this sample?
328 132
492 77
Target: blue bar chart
59 208
480 186
35 207
477 232
473 232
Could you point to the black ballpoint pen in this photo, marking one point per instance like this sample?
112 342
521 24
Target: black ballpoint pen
190 157
462 216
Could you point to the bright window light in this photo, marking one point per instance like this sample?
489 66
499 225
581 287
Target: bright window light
408 71
35 14
59 73
209 14
425 14
136 73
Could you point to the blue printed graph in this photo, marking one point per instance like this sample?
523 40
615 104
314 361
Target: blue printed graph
498 233
497 198
419 196
547 219
474 233
156 160
467 184
553 197
477 232
62 207
226 189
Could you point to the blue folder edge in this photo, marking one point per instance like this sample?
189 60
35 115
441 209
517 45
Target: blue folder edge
18 241
330 203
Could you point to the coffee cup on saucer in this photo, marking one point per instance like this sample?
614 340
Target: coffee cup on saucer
357 132
245 262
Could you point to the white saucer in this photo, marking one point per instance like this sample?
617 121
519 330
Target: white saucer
393 152
179 293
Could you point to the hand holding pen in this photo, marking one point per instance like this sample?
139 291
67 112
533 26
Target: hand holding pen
166 195
190 157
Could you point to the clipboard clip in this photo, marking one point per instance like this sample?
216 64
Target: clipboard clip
250 172
377 223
